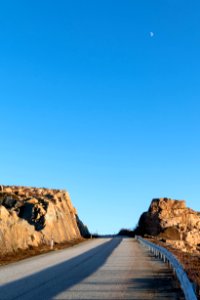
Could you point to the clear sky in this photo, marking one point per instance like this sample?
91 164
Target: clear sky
102 98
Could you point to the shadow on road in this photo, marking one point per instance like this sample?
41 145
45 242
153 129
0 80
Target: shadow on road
51 281
161 284
160 287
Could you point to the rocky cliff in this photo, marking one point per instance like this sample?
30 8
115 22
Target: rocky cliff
171 221
30 217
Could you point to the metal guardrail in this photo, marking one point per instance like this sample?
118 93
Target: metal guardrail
168 257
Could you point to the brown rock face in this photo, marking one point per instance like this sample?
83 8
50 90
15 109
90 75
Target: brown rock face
35 216
173 221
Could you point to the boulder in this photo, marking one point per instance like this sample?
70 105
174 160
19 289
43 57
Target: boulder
171 220
30 217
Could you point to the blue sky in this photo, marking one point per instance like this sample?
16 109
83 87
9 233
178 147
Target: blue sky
92 103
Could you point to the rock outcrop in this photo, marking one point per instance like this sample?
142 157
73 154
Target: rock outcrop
30 217
171 221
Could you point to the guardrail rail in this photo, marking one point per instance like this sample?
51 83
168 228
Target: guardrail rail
169 258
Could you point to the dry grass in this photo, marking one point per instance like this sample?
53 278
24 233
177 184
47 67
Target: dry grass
33 251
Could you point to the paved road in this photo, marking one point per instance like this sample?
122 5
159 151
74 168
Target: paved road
97 269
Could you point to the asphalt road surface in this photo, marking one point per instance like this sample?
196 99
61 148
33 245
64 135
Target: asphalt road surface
117 268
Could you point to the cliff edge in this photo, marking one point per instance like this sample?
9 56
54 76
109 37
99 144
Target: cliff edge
30 217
